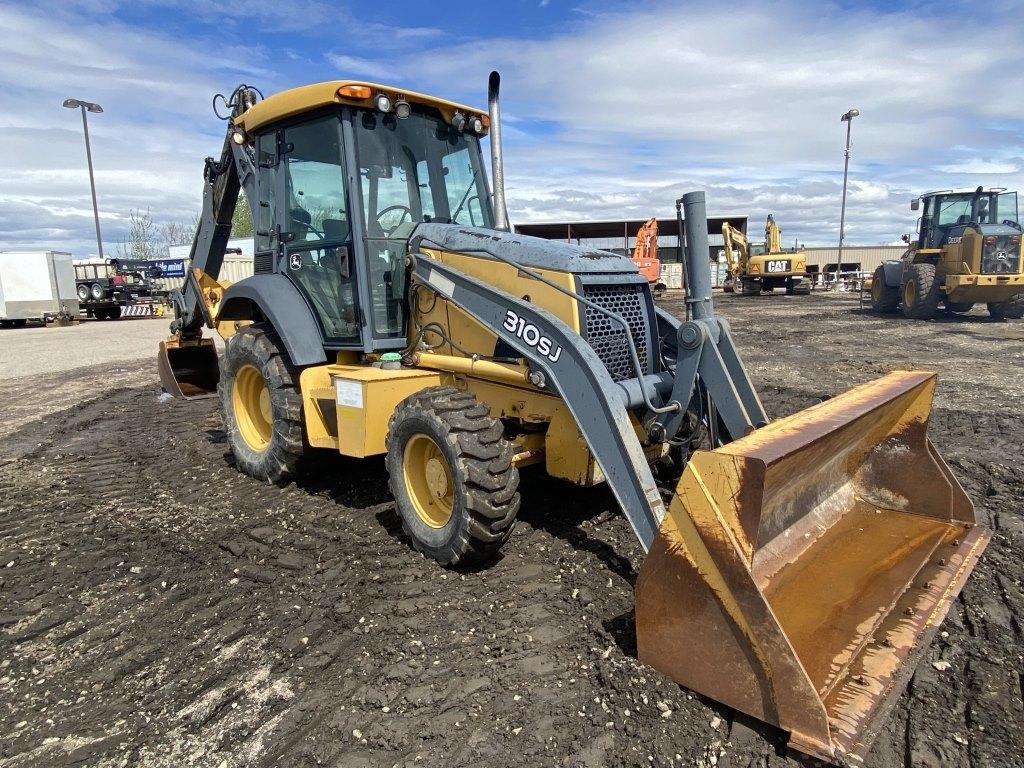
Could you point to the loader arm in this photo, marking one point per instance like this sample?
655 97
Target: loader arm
571 369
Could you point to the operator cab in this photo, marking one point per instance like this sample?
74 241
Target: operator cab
341 190
947 213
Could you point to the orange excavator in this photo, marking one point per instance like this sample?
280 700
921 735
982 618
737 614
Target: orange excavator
645 256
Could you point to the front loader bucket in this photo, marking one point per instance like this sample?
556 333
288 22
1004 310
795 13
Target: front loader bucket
188 369
801 571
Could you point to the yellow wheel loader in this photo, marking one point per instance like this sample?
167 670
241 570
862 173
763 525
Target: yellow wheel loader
796 568
968 251
753 268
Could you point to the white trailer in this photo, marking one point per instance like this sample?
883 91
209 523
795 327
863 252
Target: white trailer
36 285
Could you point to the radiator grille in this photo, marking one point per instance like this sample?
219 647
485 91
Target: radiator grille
607 337
1001 256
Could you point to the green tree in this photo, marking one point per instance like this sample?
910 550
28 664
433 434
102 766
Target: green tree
141 240
241 222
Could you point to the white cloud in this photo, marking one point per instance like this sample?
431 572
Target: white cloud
747 103
609 115
356 66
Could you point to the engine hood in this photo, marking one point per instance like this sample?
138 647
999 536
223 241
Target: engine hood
528 251
997 230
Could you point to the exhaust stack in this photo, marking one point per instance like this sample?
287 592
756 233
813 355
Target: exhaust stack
498 185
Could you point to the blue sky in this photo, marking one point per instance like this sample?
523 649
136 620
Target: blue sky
611 109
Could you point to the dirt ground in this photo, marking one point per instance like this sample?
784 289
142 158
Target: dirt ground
157 608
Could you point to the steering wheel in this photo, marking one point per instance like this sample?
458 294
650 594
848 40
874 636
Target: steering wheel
403 208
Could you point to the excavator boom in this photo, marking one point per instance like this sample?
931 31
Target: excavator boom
645 251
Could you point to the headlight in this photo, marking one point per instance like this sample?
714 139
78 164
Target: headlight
402 108
383 102
458 121
476 125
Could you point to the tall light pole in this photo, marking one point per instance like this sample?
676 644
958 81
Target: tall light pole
848 119
88 106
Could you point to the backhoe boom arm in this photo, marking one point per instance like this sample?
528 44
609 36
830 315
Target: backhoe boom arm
222 182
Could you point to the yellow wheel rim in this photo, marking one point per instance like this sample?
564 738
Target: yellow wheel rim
876 290
428 481
910 293
250 400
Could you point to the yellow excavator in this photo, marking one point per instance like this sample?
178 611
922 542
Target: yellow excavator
758 267
796 569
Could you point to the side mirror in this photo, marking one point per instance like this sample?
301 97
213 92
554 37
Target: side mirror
915 204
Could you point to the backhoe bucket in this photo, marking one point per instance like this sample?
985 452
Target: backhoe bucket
802 570
188 369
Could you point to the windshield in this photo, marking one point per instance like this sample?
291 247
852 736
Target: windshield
955 210
410 171
993 208
418 169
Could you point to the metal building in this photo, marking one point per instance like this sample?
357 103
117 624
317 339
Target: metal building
856 258
619 235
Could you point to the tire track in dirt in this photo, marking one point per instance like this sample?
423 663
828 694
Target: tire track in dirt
163 610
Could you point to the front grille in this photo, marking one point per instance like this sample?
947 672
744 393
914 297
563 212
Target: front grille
1002 256
607 337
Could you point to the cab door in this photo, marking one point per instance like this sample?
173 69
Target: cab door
314 222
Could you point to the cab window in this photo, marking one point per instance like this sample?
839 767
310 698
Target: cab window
414 170
954 210
266 212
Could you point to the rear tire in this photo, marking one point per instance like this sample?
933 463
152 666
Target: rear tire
114 313
884 299
261 404
750 288
83 292
1011 309
452 476
96 291
921 293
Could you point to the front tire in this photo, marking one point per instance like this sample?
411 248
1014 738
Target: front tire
921 292
451 473
1011 309
884 298
750 288
96 291
83 292
261 404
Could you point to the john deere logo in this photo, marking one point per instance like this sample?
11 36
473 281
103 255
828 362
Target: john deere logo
295 261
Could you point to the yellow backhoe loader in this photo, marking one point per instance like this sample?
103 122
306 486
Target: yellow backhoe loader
796 568
759 267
